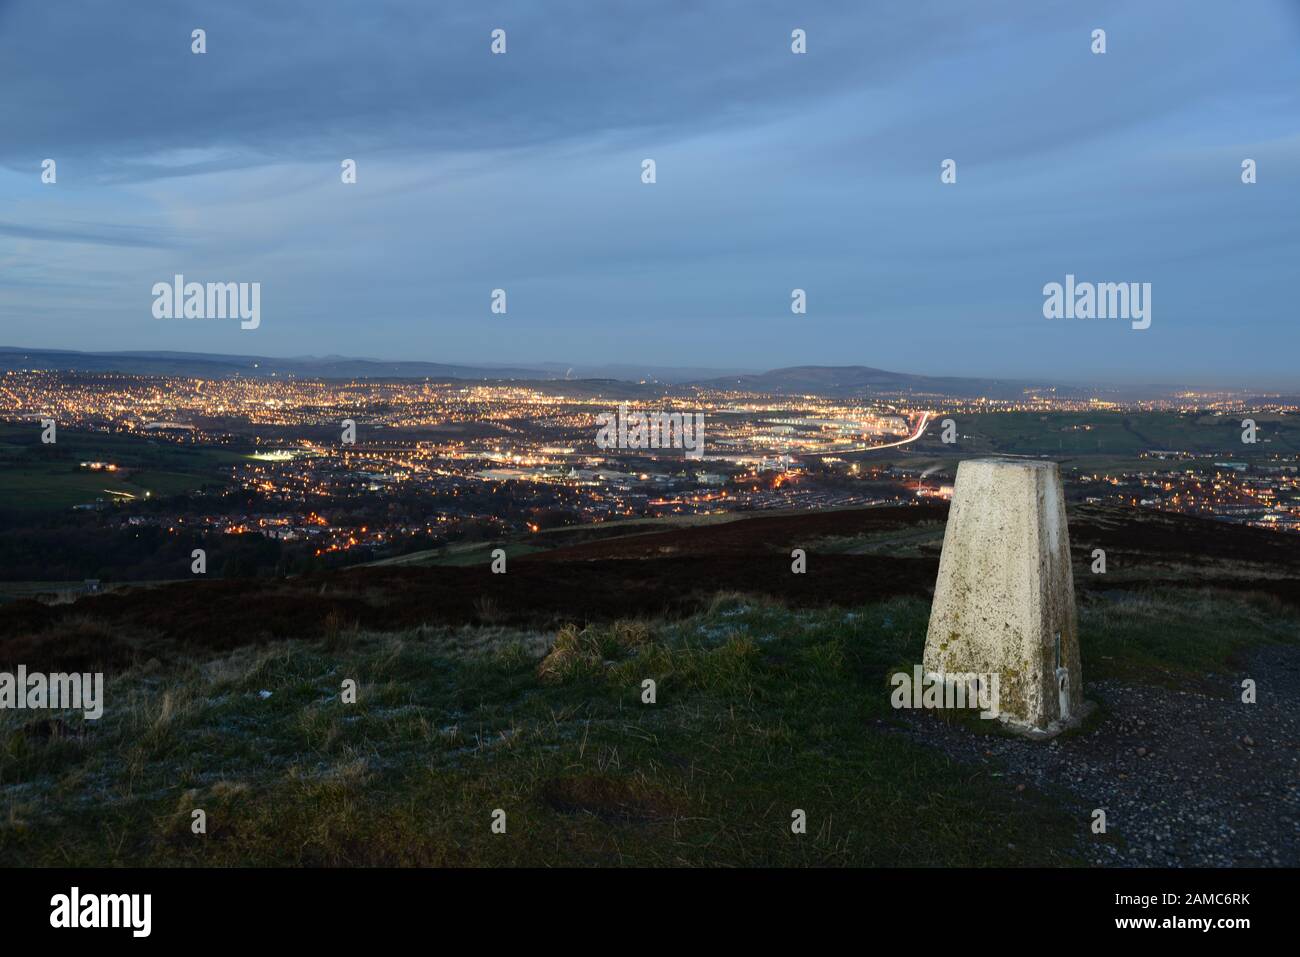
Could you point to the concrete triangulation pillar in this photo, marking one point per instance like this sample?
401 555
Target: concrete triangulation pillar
1004 601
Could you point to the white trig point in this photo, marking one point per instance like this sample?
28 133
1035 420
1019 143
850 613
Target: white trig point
1004 601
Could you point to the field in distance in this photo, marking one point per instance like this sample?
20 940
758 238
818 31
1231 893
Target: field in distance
37 476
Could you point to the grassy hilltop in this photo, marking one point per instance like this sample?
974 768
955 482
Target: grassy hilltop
765 704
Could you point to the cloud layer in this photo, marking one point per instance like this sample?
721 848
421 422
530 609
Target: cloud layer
775 171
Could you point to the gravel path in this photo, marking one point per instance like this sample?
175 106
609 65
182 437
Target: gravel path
1188 778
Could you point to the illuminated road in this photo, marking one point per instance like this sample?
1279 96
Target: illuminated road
920 430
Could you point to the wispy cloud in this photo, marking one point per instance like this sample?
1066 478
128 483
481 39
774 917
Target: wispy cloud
96 234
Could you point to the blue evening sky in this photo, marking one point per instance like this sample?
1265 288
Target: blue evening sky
775 171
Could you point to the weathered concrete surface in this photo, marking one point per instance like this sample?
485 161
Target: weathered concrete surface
1006 591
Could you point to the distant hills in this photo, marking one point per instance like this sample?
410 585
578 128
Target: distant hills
217 366
858 380
214 365
832 381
